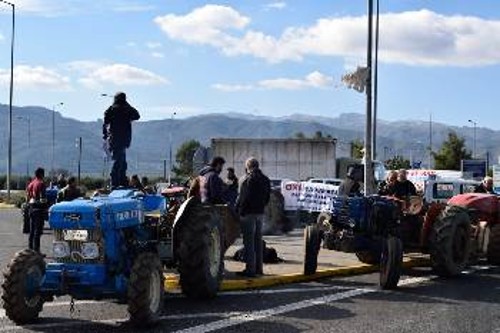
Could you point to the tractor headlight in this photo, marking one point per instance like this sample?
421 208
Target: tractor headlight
60 249
90 250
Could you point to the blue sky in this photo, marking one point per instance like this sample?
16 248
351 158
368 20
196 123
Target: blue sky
261 57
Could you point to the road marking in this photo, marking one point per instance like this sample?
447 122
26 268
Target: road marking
54 304
262 314
236 318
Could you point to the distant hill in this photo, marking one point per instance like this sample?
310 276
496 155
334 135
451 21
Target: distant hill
150 144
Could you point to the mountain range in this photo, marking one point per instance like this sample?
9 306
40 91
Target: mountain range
151 139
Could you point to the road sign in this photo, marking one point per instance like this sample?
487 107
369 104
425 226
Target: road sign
475 169
496 178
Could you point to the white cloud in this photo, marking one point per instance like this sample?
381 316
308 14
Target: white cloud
312 80
133 7
35 77
153 45
157 55
275 5
414 38
232 87
118 74
204 25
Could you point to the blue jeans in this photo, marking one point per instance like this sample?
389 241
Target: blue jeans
251 228
119 169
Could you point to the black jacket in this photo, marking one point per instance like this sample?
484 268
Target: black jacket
404 189
211 186
117 126
254 193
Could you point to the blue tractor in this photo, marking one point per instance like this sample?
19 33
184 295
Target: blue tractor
367 226
116 247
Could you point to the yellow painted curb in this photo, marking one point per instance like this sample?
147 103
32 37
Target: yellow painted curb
7 206
172 282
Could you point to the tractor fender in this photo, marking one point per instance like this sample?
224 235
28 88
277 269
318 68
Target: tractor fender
433 212
180 218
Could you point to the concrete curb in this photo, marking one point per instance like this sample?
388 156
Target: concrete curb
172 282
7 206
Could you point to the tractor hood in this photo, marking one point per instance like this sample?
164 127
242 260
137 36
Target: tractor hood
118 210
485 205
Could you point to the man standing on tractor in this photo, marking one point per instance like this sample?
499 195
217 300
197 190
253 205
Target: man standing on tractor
254 195
117 130
486 186
232 187
351 185
35 197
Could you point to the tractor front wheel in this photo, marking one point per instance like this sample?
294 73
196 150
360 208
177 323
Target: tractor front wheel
22 299
368 257
391 262
312 242
450 242
201 261
145 289
493 250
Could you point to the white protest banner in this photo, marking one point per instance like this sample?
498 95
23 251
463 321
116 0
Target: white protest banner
307 196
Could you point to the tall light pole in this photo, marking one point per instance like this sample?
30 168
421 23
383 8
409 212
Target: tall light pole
170 147
28 120
474 142
375 83
368 177
11 96
79 144
52 155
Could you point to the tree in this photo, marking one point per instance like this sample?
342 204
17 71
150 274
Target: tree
184 158
451 153
300 135
318 135
357 149
397 162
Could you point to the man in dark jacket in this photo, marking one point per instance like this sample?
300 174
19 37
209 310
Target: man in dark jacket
253 197
117 130
69 192
404 188
486 186
212 187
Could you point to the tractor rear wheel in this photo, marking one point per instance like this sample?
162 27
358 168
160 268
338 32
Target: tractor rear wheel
200 252
369 257
450 242
145 289
391 262
22 300
493 251
312 242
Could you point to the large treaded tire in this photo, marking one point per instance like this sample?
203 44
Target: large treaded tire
25 270
368 257
145 290
312 242
493 251
200 253
391 262
450 241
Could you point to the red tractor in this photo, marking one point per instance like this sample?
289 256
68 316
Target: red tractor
482 212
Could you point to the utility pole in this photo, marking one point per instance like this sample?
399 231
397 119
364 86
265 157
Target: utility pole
368 177
170 147
11 96
430 141
375 84
52 156
474 142
79 144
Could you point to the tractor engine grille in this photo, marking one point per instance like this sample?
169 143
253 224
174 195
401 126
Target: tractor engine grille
75 246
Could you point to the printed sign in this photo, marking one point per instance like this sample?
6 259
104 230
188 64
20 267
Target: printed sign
496 178
307 196
475 169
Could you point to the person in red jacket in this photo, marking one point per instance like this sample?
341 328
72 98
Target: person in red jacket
35 196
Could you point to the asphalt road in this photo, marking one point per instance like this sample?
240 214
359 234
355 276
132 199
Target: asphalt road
422 303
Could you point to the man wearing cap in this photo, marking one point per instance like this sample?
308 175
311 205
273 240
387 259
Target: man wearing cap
117 130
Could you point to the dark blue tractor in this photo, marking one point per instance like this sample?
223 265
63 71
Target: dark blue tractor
116 247
367 226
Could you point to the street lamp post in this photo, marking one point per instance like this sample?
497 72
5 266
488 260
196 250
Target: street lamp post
52 157
11 95
368 177
170 147
79 144
28 162
473 142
